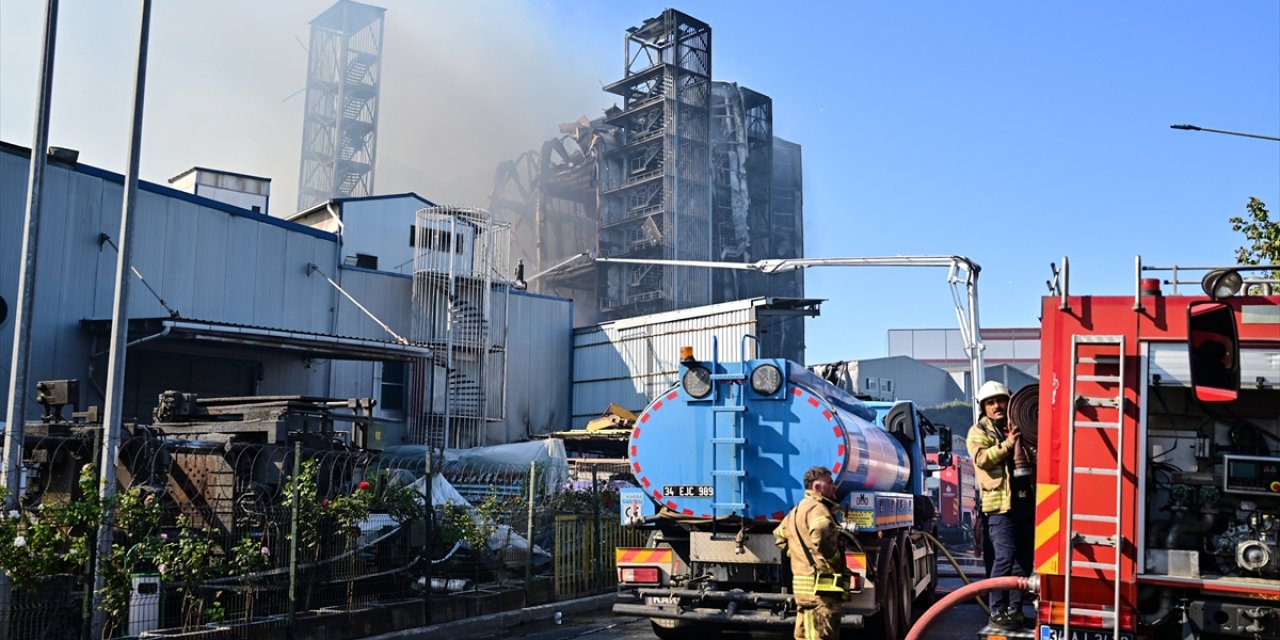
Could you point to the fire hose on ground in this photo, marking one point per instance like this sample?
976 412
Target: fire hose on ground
937 544
973 589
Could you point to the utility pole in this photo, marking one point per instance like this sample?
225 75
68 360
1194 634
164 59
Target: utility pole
15 417
119 331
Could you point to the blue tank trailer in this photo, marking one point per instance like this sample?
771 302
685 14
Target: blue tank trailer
719 460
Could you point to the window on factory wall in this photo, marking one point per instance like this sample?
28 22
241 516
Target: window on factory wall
435 239
391 395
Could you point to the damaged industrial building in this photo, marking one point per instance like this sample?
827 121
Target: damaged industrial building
373 362
685 168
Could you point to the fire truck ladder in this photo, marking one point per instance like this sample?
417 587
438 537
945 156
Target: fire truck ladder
1106 352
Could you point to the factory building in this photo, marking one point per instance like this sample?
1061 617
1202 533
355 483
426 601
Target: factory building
237 303
684 168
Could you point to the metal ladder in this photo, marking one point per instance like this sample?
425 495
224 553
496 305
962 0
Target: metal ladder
727 438
1107 351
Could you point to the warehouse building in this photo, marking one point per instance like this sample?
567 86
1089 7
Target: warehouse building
238 303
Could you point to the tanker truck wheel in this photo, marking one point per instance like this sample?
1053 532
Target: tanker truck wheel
667 629
887 623
906 589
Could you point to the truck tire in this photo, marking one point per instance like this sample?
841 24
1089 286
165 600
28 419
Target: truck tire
667 629
887 623
906 589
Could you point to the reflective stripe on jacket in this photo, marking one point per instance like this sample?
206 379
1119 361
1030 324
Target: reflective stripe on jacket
815 519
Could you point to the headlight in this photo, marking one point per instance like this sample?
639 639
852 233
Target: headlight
697 381
766 379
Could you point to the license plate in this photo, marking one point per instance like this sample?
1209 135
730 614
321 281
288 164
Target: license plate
688 491
1055 633
670 601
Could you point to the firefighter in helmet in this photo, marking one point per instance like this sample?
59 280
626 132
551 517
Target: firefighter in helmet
1008 498
810 537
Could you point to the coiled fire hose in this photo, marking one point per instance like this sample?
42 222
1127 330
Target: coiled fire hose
973 589
1024 411
937 544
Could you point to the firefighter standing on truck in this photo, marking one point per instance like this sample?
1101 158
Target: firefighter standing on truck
1008 498
810 537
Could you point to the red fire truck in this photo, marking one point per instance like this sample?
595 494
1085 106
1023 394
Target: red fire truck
1158 494
953 494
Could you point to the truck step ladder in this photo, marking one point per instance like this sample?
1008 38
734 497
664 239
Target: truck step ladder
1105 353
727 440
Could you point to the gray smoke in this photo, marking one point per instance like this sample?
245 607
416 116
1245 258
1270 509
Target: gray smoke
465 85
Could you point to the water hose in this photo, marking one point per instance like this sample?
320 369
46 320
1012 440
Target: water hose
937 544
973 589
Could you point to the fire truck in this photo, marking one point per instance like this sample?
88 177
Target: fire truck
953 493
1158 480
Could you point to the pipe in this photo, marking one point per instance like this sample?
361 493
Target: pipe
959 570
1161 614
979 588
1180 527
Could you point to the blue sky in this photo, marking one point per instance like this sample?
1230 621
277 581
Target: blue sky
1010 132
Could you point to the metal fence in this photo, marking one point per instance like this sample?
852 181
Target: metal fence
235 540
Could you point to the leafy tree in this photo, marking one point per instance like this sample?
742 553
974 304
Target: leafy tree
1262 235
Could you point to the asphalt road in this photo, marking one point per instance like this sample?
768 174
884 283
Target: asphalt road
962 623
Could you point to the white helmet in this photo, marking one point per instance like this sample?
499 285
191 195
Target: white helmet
991 389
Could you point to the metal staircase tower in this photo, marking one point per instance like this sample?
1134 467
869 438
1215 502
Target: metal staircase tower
340 122
656 184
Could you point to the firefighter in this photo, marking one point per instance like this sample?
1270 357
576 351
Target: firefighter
1008 500
809 535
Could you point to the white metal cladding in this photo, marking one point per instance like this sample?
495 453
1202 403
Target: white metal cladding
1170 361
381 227
627 362
387 296
539 347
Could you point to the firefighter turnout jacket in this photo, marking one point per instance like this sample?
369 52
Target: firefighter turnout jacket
811 526
992 455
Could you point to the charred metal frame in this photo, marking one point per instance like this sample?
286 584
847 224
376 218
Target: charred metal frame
656 185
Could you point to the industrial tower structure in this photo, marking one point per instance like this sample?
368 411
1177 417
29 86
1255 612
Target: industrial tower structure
627 185
340 122
656 185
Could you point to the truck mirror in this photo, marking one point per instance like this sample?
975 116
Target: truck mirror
944 460
944 439
899 422
1214 351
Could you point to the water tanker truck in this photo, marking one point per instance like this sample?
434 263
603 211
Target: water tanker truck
719 459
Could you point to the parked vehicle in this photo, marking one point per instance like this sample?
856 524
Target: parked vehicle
720 457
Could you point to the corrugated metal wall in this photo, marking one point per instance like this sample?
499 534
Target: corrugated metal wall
627 362
203 261
211 264
539 348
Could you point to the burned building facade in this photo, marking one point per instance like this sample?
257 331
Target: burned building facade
685 168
